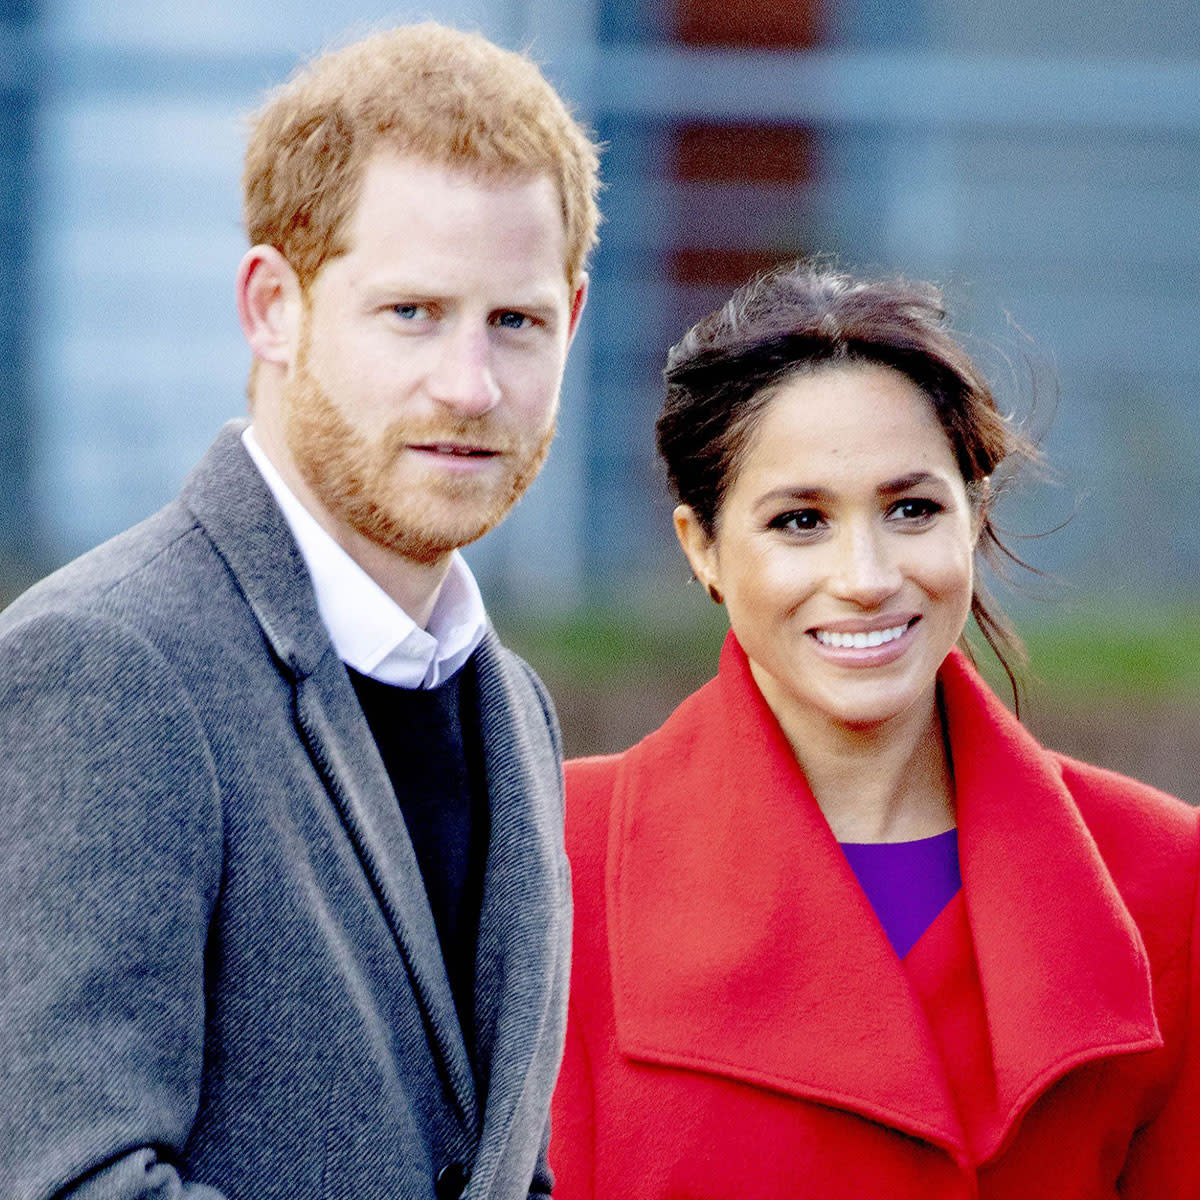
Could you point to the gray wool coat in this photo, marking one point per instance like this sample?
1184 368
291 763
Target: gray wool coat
219 973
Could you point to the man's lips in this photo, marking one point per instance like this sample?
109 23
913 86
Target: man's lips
454 449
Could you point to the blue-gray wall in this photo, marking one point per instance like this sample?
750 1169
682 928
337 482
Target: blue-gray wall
1045 165
19 96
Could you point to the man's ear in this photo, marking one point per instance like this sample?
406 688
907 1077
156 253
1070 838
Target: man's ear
578 300
269 304
699 549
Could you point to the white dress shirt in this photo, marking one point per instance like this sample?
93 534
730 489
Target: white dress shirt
369 630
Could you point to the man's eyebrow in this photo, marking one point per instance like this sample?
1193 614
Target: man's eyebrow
418 292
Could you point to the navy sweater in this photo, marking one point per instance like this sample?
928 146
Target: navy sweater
430 744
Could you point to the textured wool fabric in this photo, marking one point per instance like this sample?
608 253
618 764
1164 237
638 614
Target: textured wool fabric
428 739
740 1025
219 973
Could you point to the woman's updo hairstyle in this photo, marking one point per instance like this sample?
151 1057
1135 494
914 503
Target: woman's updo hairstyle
798 319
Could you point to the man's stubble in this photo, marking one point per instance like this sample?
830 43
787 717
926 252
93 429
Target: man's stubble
373 487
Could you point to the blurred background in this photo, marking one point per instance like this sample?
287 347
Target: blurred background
1041 162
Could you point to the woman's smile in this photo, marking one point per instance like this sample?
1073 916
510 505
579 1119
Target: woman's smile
866 644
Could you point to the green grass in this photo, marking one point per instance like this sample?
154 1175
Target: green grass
1119 649
611 643
1143 650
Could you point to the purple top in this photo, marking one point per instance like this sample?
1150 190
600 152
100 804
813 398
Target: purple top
908 883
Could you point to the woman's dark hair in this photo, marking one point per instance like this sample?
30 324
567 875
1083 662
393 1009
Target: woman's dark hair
799 318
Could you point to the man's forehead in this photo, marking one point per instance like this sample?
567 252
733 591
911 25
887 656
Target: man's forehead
411 210
386 164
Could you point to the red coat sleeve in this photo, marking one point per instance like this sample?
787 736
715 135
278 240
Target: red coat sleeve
573 1125
590 783
1163 1160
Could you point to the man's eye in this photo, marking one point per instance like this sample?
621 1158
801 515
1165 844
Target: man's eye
411 312
512 320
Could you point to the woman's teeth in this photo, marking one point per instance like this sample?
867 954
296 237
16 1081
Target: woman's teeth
859 641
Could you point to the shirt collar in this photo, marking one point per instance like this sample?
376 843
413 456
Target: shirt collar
369 630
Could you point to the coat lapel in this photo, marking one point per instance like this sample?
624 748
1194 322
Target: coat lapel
521 965
743 946
344 752
1064 974
237 511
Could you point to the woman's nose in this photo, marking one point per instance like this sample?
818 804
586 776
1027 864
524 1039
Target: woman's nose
865 571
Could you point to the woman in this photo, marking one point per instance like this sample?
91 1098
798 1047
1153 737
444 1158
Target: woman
780 986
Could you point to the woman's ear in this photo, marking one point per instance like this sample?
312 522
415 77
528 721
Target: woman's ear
269 304
699 548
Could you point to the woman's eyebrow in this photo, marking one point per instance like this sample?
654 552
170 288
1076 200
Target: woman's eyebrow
795 495
904 482
813 495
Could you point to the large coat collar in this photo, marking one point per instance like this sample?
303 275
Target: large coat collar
742 946
522 938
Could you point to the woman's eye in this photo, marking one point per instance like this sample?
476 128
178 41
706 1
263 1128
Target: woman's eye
805 520
914 509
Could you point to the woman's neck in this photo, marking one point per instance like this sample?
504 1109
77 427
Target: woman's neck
889 783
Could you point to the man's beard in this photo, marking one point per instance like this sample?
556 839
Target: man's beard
409 509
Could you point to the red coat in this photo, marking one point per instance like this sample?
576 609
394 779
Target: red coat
741 1027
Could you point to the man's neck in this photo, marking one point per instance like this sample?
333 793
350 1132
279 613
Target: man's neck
414 586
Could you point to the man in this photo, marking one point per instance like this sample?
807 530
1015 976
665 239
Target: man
285 907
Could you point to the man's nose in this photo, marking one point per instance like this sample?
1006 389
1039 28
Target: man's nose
865 571
462 378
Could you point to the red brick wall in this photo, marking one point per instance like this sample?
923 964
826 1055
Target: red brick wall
785 24
740 153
